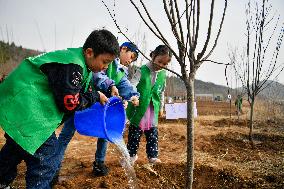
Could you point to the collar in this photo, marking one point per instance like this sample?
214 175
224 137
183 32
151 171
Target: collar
120 66
151 67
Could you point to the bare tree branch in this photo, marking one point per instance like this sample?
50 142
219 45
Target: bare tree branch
196 33
215 62
152 21
219 31
120 31
179 23
208 31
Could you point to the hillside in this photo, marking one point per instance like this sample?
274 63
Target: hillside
274 91
175 87
11 55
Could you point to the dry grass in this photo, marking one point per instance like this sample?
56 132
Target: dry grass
223 157
268 110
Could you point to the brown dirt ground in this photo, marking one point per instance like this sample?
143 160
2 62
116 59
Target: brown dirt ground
223 156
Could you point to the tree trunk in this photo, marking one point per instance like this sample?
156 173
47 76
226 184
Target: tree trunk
190 133
230 108
251 123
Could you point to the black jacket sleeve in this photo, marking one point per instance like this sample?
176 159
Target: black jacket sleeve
65 80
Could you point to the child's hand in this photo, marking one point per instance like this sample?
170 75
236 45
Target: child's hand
114 91
103 98
125 104
134 100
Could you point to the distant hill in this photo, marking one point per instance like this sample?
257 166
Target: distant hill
274 91
11 55
175 87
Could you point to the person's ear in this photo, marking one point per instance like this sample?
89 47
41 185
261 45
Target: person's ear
89 52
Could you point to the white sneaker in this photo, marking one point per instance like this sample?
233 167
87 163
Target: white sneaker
154 160
5 187
133 159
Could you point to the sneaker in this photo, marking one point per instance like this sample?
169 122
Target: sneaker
154 160
100 169
4 186
133 159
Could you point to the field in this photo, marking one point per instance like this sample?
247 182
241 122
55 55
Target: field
223 155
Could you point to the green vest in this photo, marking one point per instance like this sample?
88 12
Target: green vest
28 112
113 74
148 93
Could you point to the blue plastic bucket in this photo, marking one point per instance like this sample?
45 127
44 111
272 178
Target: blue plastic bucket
100 121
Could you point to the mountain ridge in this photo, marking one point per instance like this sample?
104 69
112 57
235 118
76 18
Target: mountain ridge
11 56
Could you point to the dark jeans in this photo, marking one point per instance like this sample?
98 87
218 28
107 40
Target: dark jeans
41 166
134 135
64 138
101 149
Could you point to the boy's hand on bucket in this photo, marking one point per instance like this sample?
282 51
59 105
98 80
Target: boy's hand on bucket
134 100
103 98
125 103
114 91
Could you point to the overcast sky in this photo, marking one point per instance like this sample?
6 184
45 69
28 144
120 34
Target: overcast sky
58 24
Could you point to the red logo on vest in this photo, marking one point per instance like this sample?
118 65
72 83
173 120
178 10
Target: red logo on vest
71 101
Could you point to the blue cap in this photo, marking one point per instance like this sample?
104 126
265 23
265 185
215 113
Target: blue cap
132 47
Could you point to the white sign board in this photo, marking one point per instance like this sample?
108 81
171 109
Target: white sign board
170 111
178 110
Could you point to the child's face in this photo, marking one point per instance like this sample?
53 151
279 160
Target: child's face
126 57
98 63
161 60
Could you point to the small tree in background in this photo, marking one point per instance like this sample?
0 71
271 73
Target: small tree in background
233 75
257 65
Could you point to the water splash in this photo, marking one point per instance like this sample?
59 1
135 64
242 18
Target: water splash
126 163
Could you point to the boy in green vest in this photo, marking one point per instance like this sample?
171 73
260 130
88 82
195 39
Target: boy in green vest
37 94
144 118
113 82
115 78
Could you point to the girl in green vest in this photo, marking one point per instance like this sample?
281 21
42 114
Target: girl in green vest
144 118
34 99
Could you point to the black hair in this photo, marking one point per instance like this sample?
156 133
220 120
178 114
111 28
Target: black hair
102 41
161 50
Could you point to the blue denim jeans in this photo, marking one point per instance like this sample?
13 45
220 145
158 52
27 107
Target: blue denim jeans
41 166
101 149
64 138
